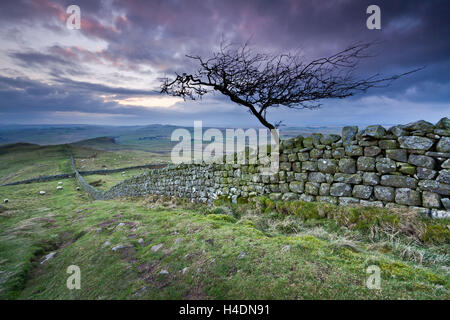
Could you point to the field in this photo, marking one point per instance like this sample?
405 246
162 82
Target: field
22 155
106 181
163 248
25 161
87 159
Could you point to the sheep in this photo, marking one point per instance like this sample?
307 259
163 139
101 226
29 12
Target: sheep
59 188
41 192
59 182
6 200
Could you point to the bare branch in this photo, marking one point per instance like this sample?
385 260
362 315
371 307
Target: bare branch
260 81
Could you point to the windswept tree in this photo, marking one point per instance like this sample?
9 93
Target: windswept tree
259 81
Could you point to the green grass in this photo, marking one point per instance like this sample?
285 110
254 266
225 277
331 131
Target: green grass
25 161
21 162
230 252
106 181
95 159
379 223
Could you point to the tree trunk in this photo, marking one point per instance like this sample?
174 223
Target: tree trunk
268 125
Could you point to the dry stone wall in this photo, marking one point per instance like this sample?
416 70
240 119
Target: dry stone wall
406 165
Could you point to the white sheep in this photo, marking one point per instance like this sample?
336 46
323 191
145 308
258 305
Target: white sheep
41 192
6 201
59 182
59 188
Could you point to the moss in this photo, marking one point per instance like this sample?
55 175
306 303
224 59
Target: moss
246 222
305 210
365 219
282 208
269 204
221 217
242 200
403 271
433 277
407 169
371 221
389 218
288 226
308 241
436 234
219 210
396 269
264 205
222 200
308 142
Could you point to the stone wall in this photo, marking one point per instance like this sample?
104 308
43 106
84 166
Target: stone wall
407 165
108 171
95 193
82 173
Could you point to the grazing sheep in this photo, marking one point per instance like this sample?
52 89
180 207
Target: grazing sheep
78 188
60 182
41 192
6 201
59 188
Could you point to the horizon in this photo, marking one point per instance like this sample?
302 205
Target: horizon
386 125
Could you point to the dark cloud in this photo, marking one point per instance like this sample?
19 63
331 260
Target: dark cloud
99 88
159 33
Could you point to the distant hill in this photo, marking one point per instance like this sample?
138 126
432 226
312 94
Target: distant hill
154 138
60 134
18 146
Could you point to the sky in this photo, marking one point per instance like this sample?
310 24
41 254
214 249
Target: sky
109 70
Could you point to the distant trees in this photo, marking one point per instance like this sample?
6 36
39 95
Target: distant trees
259 81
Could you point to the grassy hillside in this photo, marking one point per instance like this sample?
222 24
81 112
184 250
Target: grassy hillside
106 181
151 138
56 134
25 161
89 158
259 250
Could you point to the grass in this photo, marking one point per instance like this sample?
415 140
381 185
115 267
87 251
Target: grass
106 181
379 223
26 161
94 159
226 251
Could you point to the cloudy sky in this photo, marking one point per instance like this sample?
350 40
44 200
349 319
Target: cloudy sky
108 71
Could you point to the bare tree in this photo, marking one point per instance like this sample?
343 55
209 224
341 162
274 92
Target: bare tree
259 81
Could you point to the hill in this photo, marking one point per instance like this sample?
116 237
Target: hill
143 137
158 248
22 161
